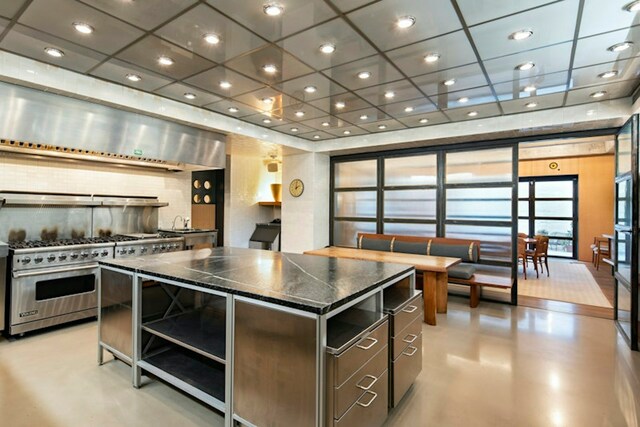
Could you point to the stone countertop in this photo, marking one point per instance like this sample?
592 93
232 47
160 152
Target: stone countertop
305 282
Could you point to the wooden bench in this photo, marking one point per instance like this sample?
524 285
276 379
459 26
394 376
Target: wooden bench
471 248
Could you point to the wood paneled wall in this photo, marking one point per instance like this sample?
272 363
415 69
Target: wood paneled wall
595 193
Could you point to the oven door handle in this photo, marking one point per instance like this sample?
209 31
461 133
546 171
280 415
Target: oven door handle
52 270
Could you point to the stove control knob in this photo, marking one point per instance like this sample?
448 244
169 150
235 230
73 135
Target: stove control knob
132 251
38 259
74 256
155 248
163 248
104 253
51 258
26 260
122 251
143 250
94 254
62 257
84 254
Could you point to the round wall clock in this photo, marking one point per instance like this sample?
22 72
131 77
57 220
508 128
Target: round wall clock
553 165
296 188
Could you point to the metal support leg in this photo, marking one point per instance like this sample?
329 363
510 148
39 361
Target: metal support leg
136 325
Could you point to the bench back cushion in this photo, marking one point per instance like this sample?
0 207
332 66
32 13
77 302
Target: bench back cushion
374 244
419 248
466 250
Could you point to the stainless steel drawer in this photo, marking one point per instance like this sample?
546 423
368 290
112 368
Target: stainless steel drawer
364 379
370 410
406 368
407 336
354 357
407 314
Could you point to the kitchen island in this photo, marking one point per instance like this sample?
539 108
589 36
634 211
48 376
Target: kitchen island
267 338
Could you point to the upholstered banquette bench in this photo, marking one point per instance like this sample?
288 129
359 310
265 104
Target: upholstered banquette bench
464 273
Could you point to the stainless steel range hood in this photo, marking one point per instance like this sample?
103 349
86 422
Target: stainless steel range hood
39 123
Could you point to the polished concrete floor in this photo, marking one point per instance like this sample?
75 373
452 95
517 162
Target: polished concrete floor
493 366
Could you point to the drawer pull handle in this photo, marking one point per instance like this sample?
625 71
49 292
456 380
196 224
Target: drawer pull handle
373 381
410 340
410 309
365 405
412 353
373 342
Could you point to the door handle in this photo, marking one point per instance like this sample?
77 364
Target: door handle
40 272
410 340
410 309
412 353
373 342
373 381
365 405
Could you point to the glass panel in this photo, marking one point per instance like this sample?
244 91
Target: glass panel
495 241
65 286
414 170
523 189
556 208
562 189
523 208
623 150
559 228
479 166
362 173
523 226
412 204
409 229
479 203
359 204
623 254
561 247
624 308
345 232
624 203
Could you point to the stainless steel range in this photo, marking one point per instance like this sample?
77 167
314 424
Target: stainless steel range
54 282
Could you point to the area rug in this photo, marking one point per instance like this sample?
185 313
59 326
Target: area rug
568 281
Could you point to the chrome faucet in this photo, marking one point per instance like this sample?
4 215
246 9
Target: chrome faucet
185 222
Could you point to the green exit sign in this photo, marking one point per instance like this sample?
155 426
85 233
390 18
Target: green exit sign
137 152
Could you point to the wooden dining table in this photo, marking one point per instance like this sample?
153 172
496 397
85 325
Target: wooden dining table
434 269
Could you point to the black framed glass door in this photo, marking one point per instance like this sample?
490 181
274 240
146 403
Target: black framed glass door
548 205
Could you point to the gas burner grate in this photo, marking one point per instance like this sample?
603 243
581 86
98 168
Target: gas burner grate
31 244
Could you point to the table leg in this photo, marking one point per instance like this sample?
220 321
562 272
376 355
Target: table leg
429 286
474 296
442 292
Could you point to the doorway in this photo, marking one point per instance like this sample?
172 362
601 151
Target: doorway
548 205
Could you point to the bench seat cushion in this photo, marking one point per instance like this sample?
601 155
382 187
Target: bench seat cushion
462 271
465 252
375 244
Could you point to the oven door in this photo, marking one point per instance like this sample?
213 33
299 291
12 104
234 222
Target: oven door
48 292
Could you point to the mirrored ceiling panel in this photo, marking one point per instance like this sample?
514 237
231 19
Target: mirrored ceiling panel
269 64
223 82
475 11
8 8
146 14
122 72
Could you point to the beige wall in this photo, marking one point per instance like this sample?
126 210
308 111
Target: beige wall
595 193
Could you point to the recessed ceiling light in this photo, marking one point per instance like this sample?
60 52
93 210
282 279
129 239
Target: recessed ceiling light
133 77
294 129
272 9
531 104
432 57
211 38
408 109
269 68
267 100
608 74
382 127
598 94
165 60
340 104
299 113
364 75
530 88
325 124
463 100
521 35
233 109
364 117
472 113
634 6
423 121
316 136
83 28
526 66
52 51
619 47
310 89
327 48
405 22
266 121
346 132
590 112
450 82
225 84
389 94
190 95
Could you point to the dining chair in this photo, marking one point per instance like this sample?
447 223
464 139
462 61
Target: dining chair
522 255
539 255
523 235
603 251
